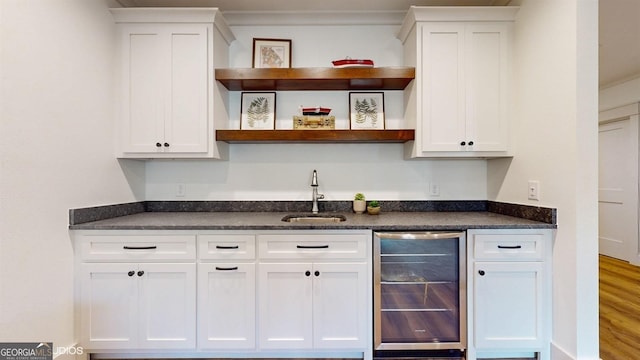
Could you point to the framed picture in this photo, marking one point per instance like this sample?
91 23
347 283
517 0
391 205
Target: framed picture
366 110
271 53
258 111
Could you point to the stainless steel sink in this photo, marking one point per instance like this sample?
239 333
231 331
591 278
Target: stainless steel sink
314 218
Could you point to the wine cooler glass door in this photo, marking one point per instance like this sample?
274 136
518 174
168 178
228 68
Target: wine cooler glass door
419 291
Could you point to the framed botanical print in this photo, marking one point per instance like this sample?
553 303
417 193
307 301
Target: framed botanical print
366 110
271 53
258 111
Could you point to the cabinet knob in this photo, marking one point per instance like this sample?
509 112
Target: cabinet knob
470 143
317 273
158 145
463 143
481 272
166 144
130 273
140 273
307 273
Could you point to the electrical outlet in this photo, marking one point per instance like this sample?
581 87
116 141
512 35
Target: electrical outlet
534 190
434 189
181 190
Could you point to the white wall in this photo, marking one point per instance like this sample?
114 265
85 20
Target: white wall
556 107
283 171
56 153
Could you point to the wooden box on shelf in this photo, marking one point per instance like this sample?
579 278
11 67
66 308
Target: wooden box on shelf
314 122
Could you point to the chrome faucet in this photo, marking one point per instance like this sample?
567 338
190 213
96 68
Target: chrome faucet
314 194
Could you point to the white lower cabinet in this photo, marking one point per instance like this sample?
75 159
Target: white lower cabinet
137 305
226 306
513 294
256 294
509 292
314 290
313 305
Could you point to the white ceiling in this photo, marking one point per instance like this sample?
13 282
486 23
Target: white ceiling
619 22
619 40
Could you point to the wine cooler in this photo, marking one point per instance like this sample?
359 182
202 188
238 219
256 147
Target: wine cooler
419 291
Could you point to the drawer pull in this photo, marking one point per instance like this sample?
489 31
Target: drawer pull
312 246
139 247
481 272
226 268
509 247
227 247
131 273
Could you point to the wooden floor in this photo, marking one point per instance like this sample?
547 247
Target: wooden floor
619 310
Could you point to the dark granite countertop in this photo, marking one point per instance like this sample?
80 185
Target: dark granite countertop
399 221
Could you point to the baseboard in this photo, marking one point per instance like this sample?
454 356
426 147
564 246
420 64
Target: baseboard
558 353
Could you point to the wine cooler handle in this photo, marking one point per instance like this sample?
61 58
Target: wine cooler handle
427 235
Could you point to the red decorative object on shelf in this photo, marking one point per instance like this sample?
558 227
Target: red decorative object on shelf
352 63
318 110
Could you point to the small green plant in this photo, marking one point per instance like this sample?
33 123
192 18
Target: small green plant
374 203
359 196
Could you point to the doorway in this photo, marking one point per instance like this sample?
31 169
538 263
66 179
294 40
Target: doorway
618 187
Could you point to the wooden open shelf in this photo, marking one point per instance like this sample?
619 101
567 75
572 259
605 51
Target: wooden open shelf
315 136
295 79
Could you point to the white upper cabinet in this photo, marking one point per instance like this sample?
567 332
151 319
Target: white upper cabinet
459 101
167 96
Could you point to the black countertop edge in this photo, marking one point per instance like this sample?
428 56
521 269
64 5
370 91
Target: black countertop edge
84 215
457 227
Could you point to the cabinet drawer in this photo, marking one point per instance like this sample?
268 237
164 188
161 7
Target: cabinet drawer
226 246
312 246
508 246
138 248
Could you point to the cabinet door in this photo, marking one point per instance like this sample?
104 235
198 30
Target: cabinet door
226 306
143 85
164 91
167 306
108 306
186 125
508 298
340 316
285 305
486 47
443 87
